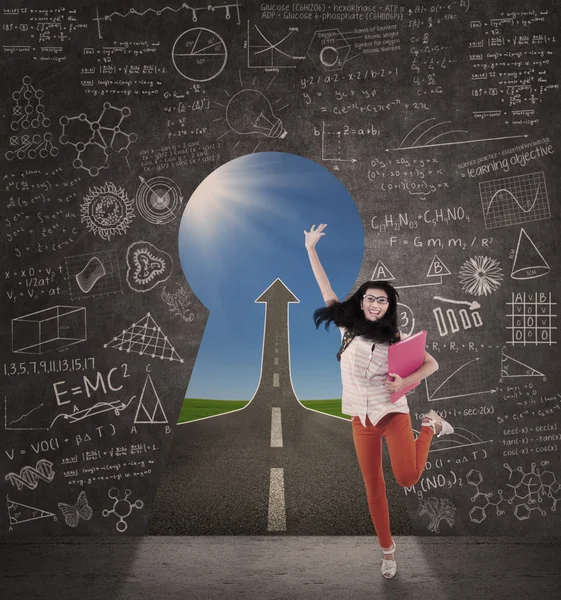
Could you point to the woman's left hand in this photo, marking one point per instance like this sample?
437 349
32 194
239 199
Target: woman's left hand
395 385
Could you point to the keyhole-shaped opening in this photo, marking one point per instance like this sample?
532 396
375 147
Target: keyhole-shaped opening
242 230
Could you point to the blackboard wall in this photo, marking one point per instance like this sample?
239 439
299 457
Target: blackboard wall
441 121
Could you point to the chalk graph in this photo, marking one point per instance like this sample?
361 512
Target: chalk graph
93 275
514 200
460 378
262 53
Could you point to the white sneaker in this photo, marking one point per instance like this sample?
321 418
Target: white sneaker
433 417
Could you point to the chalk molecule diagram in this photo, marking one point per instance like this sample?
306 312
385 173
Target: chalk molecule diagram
527 492
122 508
96 141
28 112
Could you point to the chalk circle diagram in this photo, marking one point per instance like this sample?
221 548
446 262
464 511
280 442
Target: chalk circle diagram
107 211
329 50
158 200
528 260
199 54
480 275
147 266
514 200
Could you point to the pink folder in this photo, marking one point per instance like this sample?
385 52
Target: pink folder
405 357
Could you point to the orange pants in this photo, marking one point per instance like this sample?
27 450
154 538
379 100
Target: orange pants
408 457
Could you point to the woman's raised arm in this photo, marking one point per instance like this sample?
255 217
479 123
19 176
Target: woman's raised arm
312 238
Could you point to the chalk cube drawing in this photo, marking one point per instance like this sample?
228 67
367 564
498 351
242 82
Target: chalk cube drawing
49 329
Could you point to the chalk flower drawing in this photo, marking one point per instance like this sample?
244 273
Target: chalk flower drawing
107 211
480 275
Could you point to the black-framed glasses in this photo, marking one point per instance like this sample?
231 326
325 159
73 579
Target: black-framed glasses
380 299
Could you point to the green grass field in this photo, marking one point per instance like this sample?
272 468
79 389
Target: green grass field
330 407
196 408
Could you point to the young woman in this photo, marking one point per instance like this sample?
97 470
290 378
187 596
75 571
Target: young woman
368 324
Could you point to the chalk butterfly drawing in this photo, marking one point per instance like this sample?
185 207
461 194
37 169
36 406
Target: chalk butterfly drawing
72 513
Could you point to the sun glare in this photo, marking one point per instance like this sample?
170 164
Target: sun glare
229 197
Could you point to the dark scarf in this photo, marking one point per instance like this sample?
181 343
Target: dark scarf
374 331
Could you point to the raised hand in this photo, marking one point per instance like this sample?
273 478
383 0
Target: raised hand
312 236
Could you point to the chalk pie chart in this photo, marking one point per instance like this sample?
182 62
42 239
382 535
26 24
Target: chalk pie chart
199 54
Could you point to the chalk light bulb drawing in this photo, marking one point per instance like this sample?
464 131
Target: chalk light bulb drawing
250 112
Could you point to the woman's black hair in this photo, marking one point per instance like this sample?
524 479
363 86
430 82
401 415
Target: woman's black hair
348 314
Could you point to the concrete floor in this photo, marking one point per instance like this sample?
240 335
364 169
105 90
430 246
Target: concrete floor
277 568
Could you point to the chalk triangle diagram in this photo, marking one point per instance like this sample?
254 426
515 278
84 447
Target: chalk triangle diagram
381 273
534 264
145 337
510 367
21 513
150 409
437 268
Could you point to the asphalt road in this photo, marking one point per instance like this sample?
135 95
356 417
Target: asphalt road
271 468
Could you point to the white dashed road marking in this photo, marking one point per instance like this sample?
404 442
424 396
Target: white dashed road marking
277 510
276 428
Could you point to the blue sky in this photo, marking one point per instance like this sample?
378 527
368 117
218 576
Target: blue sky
241 229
